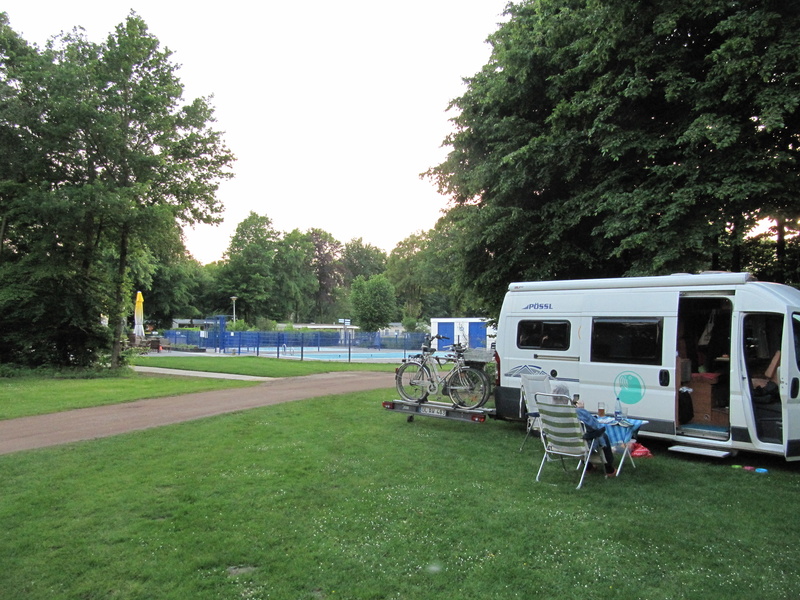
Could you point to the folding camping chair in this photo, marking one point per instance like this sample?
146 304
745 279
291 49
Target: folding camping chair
563 435
530 385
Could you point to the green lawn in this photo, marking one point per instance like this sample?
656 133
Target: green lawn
337 498
26 396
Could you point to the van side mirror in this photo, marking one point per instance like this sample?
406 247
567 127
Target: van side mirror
663 378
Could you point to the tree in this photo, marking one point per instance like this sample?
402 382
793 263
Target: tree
105 162
446 293
159 160
296 283
174 291
373 302
405 269
619 138
363 259
211 294
271 273
249 269
52 289
328 270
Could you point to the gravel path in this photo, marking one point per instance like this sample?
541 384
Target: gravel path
27 433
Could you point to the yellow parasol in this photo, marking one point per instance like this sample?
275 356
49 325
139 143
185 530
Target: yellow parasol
138 316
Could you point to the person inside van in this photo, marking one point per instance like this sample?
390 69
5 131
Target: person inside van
592 424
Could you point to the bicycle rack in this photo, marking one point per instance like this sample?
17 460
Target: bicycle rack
439 410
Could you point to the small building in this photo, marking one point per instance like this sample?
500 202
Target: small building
203 324
474 332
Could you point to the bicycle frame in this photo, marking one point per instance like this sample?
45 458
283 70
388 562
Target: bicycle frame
421 376
432 363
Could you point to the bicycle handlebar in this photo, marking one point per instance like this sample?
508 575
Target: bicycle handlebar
458 348
437 337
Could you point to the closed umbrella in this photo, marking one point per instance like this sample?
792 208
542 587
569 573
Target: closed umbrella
138 316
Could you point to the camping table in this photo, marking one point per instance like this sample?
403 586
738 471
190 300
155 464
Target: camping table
618 434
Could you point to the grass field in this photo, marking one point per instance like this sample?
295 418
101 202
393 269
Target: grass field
337 498
27 396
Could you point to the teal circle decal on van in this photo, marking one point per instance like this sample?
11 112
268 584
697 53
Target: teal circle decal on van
629 387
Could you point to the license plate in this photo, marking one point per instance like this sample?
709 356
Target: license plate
429 410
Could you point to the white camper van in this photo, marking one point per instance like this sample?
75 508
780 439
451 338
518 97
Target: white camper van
710 360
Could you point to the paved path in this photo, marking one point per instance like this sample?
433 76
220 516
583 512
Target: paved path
27 433
184 373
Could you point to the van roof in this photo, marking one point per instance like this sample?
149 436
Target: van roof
677 280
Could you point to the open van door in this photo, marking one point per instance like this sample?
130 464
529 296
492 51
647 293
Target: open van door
790 386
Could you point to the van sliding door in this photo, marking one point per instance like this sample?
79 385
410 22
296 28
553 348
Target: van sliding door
632 358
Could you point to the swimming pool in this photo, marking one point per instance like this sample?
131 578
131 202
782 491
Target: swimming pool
324 353
339 354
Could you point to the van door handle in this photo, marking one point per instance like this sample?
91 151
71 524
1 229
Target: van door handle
795 388
663 378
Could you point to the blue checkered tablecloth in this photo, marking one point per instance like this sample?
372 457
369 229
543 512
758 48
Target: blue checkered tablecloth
619 435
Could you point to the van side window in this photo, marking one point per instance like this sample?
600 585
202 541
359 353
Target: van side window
540 335
796 331
763 337
632 340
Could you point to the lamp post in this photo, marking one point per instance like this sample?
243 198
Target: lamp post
233 299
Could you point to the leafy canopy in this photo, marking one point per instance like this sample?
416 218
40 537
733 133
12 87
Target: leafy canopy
103 162
373 302
619 137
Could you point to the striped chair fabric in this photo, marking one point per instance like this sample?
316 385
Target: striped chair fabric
562 432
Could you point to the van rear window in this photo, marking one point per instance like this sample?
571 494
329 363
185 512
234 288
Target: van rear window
543 335
627 340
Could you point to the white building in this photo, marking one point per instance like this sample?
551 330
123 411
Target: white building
473 332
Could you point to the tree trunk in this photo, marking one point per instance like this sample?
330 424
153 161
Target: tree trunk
119 301
780 250
736 248
3 222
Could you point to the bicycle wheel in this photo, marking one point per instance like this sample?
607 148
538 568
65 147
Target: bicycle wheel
469 387
412 380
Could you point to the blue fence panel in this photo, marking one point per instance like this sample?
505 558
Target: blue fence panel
293 343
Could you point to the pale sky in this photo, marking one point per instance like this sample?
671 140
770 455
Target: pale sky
332 109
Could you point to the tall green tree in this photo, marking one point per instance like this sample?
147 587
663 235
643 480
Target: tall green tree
373 302
106 159
160 159
52 289
212 296
363 259
619 137
328 270
296 282
405 269
174 290
249 270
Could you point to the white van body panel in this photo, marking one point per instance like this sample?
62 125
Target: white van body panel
642 340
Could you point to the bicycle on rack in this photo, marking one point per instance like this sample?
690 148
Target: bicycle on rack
418 377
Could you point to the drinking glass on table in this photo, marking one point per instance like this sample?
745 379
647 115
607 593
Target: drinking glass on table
601 409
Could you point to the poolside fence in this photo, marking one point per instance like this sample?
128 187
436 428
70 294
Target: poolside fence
289 344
